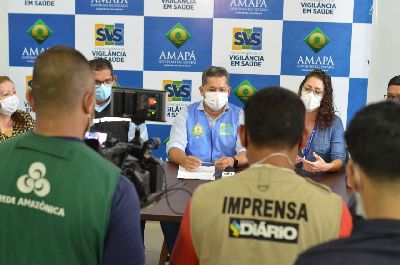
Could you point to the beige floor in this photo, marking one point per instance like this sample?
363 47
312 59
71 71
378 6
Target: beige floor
153 238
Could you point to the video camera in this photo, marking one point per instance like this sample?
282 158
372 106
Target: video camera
134 158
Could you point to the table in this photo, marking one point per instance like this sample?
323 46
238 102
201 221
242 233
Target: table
160 211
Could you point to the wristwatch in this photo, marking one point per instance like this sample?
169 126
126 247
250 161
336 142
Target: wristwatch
235 162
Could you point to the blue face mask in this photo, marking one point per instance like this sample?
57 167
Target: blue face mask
103 92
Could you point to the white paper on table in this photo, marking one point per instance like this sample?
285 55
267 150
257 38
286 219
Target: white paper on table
202 173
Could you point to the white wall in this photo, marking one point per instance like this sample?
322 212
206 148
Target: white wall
4 38
385 53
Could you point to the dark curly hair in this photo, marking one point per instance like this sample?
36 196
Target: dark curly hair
326 110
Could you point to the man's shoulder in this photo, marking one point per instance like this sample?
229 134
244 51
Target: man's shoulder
194 105
11 142
337 120
234 107
333 252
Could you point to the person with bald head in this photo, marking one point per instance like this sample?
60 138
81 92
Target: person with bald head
61 202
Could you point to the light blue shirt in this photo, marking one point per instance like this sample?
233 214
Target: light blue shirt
178 135
99 108
329 143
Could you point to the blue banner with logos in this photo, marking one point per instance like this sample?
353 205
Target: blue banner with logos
166 44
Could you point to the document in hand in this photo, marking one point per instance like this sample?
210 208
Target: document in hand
202 172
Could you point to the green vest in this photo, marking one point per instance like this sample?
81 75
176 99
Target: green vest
55 201
263 215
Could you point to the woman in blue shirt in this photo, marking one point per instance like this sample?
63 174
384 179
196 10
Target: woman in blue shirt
325 148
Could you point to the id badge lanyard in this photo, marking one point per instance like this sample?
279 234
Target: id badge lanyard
307 150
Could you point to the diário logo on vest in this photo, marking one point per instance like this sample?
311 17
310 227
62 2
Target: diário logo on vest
34 180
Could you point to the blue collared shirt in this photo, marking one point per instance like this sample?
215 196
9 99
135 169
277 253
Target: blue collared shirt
329 143
178 135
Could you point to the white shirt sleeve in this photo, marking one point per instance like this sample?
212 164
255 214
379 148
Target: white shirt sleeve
178 134
239 148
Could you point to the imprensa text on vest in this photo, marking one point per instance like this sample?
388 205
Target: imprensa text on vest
265 208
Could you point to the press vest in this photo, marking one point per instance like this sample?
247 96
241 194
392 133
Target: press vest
264 215
117 129
55 201
211 143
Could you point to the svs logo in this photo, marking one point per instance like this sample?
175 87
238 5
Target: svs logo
109 34
178 90
247 39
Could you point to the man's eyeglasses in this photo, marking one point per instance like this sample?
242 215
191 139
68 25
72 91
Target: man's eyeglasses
392 98
316 91
105 82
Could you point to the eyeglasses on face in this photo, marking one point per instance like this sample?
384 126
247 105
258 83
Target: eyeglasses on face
105 82
394 98
317 91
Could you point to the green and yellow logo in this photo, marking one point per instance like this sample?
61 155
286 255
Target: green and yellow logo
225 129
316 40
244 90
40 31
234 228
197 130
178 35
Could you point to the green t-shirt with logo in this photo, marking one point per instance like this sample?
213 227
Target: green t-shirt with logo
55 201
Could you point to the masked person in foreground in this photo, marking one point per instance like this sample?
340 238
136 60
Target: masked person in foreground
60 201
373 140
266 214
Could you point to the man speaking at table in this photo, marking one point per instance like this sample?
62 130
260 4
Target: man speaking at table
266 214
206 131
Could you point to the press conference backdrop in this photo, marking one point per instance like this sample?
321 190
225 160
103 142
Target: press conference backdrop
166 44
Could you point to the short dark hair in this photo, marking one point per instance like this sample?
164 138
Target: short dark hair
99 64
373 140
274 117
61 77
214 71
394 81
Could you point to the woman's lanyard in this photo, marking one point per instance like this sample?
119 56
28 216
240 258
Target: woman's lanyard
307 150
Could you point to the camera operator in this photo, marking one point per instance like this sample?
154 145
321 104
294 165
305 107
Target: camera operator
104 80
60 202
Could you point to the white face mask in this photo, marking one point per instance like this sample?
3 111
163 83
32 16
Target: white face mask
360 209
216 100
311 101
9 105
